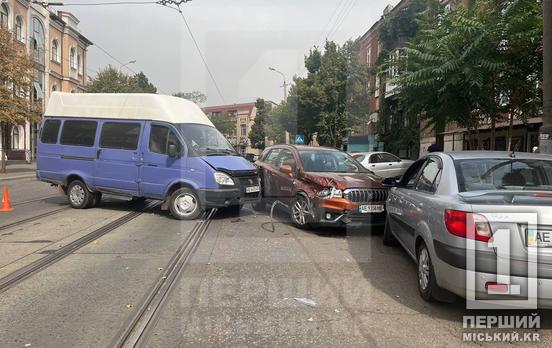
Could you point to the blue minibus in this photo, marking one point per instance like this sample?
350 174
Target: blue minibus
141 146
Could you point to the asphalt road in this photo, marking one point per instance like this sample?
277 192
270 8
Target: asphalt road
237 288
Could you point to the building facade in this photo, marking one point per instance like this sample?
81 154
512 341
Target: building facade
54 42
244 115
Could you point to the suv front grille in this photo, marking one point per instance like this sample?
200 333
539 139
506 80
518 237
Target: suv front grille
365 195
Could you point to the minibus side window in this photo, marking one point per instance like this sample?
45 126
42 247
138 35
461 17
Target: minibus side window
160 139
50 131
78 133
119 135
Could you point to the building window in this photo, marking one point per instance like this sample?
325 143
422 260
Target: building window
4 16
243 130
369 56
54 88
377 87
37 41
79 64
73 58
19 29
15 138
56 51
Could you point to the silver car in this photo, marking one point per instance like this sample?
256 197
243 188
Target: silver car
383 164
450 205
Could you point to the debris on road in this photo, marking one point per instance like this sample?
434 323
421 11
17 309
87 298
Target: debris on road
129 306
27 345
305 301
310 319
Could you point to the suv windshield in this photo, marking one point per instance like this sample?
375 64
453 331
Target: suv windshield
329 161
205 140
504 174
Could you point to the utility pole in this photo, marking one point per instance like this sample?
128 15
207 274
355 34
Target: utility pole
545 137
285 83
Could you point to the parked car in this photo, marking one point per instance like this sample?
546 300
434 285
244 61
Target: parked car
445 199
383 164
143 146
321 186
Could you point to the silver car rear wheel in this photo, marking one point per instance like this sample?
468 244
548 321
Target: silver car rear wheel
423 269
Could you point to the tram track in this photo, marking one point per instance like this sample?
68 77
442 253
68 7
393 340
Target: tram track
34 218
29 270
135 331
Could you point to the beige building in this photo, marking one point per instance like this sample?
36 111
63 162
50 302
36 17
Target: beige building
58 48
245 116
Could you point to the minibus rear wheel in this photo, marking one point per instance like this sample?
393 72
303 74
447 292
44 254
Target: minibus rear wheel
184 204
78 195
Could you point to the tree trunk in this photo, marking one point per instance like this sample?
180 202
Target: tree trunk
3 153
493 133
510 131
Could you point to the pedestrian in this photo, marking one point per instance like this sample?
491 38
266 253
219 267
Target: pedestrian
434 148
536 149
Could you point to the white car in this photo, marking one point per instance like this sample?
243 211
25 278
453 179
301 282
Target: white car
383 164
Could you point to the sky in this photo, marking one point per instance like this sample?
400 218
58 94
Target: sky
240 40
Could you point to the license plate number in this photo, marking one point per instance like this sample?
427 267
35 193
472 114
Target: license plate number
371 208
541 239
252 189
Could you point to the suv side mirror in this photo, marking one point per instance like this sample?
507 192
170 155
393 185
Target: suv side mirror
172 150
390 182
286 169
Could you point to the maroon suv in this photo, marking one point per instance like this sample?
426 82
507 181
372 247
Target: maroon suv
321 185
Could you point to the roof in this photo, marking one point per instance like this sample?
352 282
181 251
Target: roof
460 155
228 107
133 106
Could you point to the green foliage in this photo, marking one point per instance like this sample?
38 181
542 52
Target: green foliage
258 133
331 100
111 80
474 63
224 123
196 96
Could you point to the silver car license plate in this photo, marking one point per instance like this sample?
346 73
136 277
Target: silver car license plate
252 189
371 208
539 238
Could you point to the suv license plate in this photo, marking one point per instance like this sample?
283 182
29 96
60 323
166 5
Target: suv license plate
252 189
371 208
541 239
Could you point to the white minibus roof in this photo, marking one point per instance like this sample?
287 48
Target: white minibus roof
132 106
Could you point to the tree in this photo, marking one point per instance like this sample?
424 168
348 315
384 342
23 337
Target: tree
224 123
196 96
141 83
111 80
258 132
17 74
474 65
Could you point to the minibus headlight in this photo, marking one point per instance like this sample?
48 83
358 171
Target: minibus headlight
223 179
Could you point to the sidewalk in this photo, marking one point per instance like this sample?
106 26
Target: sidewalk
18 170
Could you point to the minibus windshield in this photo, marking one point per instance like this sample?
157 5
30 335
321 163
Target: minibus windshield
206 140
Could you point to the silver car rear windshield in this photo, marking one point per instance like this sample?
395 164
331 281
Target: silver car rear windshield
504 174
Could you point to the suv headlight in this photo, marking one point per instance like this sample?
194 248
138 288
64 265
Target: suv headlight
223 179
330 192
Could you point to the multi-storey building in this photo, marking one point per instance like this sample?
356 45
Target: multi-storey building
54 42
244 115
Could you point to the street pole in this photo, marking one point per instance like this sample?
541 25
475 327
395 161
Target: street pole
545 137
122 66
285 83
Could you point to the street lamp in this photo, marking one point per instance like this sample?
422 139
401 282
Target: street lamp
131 62
285 83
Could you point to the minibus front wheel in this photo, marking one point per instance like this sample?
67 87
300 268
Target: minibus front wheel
78 195
184 204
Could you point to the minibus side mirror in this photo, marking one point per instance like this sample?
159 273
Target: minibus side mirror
172 150
390 182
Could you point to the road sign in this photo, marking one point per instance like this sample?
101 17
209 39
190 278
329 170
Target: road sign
299 139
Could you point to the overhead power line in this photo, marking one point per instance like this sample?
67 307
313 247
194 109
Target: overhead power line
46 4
177 8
